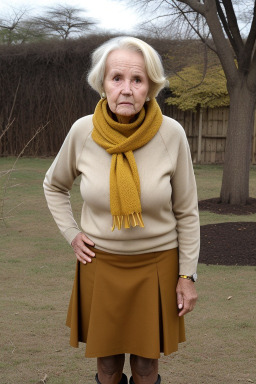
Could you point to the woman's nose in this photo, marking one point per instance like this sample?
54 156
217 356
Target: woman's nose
127 88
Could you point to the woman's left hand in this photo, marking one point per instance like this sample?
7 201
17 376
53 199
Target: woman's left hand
186 296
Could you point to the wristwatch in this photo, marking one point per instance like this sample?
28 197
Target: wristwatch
192 277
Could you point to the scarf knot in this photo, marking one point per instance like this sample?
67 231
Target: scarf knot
120 140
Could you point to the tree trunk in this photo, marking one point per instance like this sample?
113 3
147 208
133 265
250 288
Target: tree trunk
235 181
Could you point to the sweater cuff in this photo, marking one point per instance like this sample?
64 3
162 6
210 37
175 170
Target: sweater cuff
188 267
71 233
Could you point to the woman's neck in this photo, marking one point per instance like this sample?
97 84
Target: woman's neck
125 119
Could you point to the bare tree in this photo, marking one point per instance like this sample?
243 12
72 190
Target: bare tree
11 26
226 30
61 21
16 29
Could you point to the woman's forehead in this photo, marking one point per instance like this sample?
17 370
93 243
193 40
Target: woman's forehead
125 59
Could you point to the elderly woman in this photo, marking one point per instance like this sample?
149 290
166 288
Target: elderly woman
138 244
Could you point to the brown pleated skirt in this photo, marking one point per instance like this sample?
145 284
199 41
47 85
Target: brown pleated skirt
126 304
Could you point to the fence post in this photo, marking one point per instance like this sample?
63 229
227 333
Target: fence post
254 141
200 129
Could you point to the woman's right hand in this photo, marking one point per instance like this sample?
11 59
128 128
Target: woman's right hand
83 253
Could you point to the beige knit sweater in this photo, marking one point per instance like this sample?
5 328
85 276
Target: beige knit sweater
168 194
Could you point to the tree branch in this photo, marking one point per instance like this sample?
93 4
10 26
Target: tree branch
250 42
251 81
195 5
196 30
2 217
232 24
226 27
224 50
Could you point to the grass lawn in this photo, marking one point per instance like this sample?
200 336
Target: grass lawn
37 270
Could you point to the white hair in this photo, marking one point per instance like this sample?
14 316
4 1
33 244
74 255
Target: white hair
153 63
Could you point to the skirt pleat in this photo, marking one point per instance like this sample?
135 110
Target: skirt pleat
126 304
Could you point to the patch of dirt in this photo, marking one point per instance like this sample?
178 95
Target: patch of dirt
214 205
228 243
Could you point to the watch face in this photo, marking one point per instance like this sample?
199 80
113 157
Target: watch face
194 277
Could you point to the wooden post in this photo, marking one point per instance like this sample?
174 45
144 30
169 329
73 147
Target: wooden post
254 141
200 129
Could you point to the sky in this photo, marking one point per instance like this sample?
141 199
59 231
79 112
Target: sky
113 15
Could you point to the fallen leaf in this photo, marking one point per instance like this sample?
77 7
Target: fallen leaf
43 380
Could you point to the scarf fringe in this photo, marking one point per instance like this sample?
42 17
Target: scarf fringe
126 221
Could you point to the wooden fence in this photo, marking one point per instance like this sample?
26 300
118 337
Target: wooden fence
208 144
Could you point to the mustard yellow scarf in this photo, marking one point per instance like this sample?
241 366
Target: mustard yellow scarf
120 140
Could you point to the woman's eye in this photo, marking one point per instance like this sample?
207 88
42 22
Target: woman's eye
137 80
116 78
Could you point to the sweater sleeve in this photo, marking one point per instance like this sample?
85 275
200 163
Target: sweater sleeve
185 208
184 199
60 178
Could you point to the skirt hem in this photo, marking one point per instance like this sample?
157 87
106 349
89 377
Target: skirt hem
126 351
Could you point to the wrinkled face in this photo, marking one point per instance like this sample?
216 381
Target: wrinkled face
126 83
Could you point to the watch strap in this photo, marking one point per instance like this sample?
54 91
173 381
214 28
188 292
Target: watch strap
192 278
186 277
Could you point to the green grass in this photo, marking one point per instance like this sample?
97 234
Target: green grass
208 179
36 274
